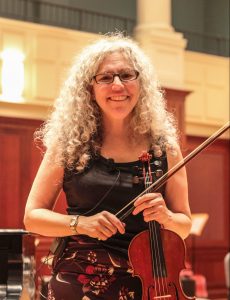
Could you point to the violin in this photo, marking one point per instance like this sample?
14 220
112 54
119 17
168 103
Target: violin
157 255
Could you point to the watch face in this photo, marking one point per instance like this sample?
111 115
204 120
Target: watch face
72 222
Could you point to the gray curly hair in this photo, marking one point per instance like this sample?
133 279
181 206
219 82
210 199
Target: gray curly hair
73 133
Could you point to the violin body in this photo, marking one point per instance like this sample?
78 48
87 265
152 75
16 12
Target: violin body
140 256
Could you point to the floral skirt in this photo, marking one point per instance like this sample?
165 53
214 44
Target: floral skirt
88 271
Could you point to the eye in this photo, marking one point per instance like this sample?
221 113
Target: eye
104 77
128 75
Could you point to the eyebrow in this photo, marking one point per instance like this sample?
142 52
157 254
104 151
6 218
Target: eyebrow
117 71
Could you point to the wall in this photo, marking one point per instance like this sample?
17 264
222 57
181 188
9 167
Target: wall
44 73
207 106
208 178
206 76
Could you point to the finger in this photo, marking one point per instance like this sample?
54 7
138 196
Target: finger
113 223
149 202
151 217
101 236
149 211
143 206
107 227
147 197
120 226
106 232
160 214
161 209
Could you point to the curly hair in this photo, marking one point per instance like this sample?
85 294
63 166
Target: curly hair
73 133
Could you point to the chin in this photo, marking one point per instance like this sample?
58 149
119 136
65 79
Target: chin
120 117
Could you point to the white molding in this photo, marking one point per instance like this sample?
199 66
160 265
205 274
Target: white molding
27 110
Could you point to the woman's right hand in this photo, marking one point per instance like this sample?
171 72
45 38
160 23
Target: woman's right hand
100 226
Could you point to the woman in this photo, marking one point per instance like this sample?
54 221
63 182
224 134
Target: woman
109 111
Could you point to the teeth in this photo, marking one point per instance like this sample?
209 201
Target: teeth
118 98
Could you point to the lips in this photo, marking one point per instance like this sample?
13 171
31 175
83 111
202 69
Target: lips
118 98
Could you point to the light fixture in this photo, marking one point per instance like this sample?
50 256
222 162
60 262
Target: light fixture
12 80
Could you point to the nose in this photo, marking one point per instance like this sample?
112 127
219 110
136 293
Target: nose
117 83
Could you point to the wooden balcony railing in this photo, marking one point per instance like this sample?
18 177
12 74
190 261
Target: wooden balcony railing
44 12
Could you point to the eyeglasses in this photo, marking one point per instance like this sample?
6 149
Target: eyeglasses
124 76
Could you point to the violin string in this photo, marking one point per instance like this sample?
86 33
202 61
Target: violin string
161 267
155 250
157 257
154 254
156 247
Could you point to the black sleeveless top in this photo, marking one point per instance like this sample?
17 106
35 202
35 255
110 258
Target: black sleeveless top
106 185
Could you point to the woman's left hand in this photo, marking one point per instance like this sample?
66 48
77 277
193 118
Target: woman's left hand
153 207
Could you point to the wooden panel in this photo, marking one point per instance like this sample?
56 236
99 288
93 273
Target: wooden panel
15 165
9 181
208 176
19 161
176 105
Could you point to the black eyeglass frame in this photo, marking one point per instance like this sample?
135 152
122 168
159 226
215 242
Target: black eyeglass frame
114 75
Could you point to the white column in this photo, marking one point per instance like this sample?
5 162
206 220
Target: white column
156 35
154 13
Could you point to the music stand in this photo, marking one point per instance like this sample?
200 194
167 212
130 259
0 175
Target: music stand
199 221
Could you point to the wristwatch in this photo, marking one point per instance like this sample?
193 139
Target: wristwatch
73 223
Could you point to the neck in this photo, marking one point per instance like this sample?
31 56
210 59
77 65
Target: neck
116 128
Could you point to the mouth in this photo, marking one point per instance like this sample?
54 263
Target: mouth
118 98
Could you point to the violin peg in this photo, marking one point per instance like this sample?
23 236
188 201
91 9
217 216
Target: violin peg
158 173
157 163
157 151
136 179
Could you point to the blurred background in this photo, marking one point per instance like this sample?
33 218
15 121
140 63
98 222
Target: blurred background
188 43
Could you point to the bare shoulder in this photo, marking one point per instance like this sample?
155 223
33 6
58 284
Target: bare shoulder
177 184
46 186
50 170
174 155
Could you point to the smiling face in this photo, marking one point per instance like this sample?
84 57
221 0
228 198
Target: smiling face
117 99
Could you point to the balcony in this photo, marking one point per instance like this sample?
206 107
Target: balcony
64 16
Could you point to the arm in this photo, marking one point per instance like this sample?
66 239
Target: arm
173 212
39 217
176 198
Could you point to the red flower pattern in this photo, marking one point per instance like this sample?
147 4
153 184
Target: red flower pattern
90 270
83 279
